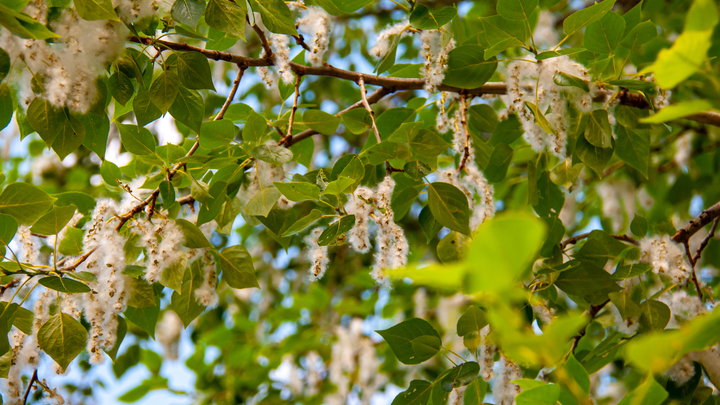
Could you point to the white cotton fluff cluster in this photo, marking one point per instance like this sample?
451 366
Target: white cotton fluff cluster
618 201
316 23
360 206
456 396
390 243
14 383
206 294
106 263
314 366
353 363
666 257
281 56
317 255
29 248
681 372
487 353
133 10
683 150
686 307
435 57
382 43
533 82
168 334
662 99
473 183
71 64
545 32
163 253
503 390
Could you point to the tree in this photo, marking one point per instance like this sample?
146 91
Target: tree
459 202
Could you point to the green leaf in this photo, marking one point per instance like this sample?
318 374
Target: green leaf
4 66
417 170
540 117
54 221
357 121
187 11
417 393
503 33
62 338
8 228
164 89
582 18
262 202
506 131
598 131
227 16
501 250
64 285
475 392
120 333
543 395
467 68
137 140
604 35
97 128
188 108
449 206
472 321
299 191
648 393
254 128
595 158
120 87
655 315
81 276
93 10
482 118
142 294
387 150
586 280
218 134
237 267
303 223
194 70
639 35
338 186
6 102
401 337
274 154
460 376
25 202
422 18
194 238
633 147
500 159
625 305
185 303
276 16
321 121
144 318
145 110
639 226
516 9
110 173
679 110
23 25
82 201
428 223
337 228
564 79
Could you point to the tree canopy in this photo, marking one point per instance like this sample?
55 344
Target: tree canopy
360 201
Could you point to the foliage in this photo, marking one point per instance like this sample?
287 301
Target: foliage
446 202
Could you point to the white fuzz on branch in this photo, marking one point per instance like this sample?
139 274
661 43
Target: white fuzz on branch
382 43
281 56
316 23
666 257
317 255
391 244
358 206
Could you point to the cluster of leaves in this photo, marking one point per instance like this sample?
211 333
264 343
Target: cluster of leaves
494 265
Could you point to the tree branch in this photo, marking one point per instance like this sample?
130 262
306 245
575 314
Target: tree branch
153 197
683 235
30 384
395 83
592 311
463 123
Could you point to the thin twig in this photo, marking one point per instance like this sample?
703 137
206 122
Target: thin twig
592 311
78 262
705 217
366 104
263 40
577 238
154 195
300 40
292 112
30 384
705 241
463 123
692 266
